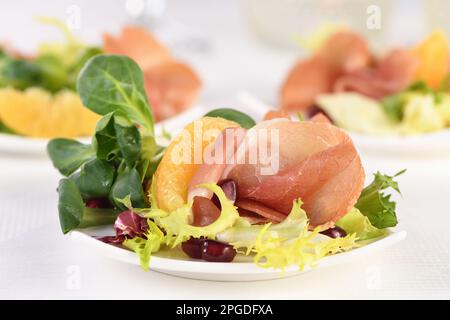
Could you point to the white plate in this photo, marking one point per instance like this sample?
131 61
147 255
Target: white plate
23 146
423 144
240 270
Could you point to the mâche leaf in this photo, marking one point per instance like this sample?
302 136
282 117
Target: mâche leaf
128 182
95 179
68 155
376 205
104 140
70 205
244 120
113 83
73 213
129 141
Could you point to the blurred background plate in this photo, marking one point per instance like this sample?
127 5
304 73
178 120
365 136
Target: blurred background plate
430 144
20 146
23 146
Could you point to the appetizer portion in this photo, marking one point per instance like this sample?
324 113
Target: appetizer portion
38 96
38 93
404 91
282 191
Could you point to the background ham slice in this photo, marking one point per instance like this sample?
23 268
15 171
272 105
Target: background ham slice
344 52
305 82
344 63
318 163
392 74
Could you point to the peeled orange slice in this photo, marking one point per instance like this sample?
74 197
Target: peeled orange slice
433 54
182 158
38 113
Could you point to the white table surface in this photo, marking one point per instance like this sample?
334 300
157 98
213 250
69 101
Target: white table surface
37 261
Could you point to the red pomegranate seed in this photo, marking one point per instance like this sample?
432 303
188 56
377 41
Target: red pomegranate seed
335 232
214 251
208 250
193 248
98 203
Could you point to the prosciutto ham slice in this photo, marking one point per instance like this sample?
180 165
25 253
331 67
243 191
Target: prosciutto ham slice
393 74
344 52
344 63
318 163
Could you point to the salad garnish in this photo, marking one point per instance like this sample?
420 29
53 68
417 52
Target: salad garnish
125 179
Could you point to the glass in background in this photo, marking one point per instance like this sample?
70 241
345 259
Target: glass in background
283 22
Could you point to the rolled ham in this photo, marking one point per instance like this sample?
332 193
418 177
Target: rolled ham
317 163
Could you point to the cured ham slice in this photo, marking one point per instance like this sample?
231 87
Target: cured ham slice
317 163
223 152
305 82
171 86
261 210
344 52
393 74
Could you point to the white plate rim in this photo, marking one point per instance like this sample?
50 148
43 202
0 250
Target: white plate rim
197 269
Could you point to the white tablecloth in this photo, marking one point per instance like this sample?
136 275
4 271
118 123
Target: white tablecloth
37 261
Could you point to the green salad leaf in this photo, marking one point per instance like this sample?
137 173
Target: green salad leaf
95 179
19 74
105 140
128 183
112 83
68 155
124 152
376 205
356 223
244 120
177 224
73 213
144 248
56 67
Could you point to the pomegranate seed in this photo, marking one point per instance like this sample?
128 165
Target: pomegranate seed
98 203
335 232
193 248
208 250
214 251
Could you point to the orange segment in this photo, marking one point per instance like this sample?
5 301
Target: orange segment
182 158
433 54
37 113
